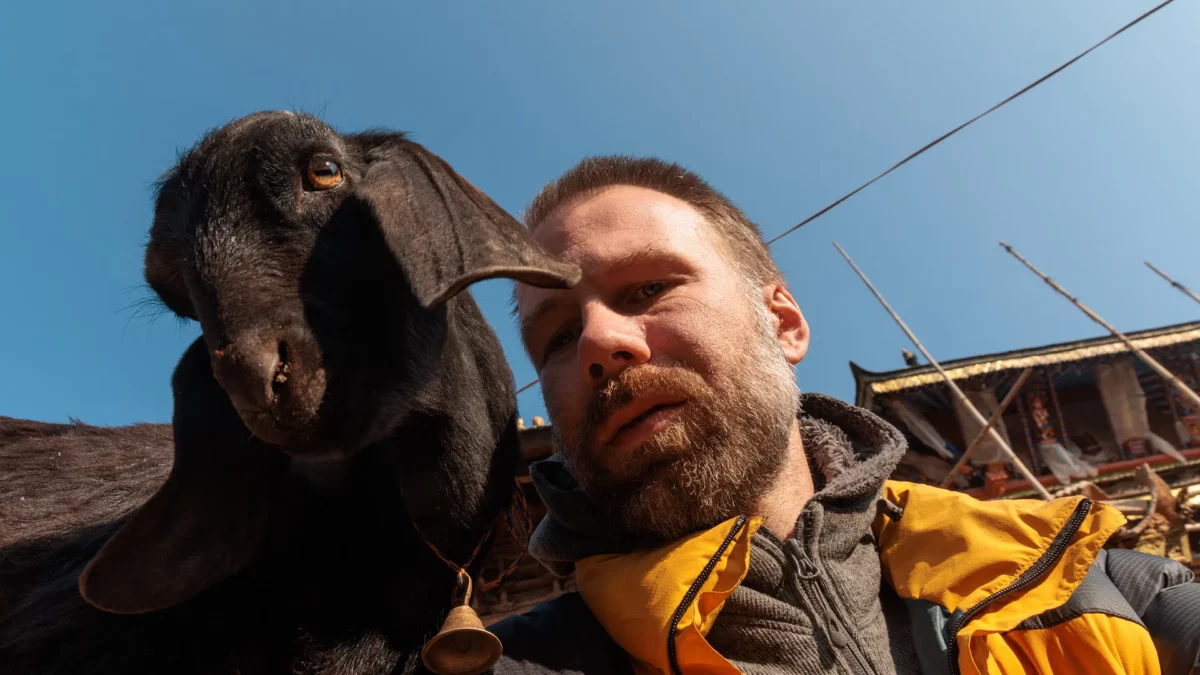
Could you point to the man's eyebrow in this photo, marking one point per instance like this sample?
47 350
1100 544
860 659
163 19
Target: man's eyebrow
652 253
539 311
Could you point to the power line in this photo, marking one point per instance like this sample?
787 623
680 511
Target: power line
950 133
966 124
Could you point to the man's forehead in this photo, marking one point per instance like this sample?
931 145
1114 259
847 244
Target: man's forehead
611 229
610 223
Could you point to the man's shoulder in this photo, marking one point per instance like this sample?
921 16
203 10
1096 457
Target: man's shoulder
558 636
567 613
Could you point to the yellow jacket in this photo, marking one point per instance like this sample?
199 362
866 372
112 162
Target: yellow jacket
993 586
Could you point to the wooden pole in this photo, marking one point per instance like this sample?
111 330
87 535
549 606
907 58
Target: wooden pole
954 389
996 415
1154 365
1186 291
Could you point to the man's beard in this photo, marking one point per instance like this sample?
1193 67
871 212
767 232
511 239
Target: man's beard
716 461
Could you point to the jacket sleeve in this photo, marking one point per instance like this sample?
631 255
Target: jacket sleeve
560 636
1166 596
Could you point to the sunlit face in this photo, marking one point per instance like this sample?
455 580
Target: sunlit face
669 393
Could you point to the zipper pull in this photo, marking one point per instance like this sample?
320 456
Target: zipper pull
805 568
890 509
837 635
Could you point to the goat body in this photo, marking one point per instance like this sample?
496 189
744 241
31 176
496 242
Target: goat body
344 584
273 526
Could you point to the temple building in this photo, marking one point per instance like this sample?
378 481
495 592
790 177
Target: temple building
1089 417
1088 409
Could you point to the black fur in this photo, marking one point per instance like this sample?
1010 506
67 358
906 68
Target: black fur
297 553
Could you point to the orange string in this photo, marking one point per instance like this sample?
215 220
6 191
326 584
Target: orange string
520 537
519 504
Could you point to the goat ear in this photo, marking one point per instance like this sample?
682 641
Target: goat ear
207 522
165 252
446 233
165 279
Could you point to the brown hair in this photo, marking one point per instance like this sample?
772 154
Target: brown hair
742 239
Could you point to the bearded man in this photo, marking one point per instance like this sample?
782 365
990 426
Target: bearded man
718 521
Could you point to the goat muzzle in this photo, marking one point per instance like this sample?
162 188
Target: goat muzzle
274 383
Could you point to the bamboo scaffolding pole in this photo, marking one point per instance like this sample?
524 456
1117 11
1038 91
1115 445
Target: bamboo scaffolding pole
1184 289
1149 360
954 389
996 415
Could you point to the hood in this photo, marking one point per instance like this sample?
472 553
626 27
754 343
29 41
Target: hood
850 450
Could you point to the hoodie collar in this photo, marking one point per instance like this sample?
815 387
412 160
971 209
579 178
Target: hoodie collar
851 450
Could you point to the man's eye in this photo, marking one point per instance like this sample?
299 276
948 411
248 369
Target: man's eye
560 340
649 290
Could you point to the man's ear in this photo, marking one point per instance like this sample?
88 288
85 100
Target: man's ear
790 327
445 233
208 521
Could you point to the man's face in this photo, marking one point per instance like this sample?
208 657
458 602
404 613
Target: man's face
669 393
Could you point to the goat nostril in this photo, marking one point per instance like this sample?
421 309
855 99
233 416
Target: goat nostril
280 376
595 370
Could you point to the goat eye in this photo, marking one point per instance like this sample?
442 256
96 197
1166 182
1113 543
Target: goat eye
324 174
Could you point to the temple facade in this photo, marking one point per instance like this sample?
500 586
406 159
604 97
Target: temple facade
1089 417
1088 410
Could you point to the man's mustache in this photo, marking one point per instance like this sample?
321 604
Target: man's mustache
632 383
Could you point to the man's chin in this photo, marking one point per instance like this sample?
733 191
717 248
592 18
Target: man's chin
649 503
642 465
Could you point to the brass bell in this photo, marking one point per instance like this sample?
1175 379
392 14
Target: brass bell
463 646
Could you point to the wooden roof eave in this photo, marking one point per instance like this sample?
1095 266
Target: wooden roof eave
870 384
863 396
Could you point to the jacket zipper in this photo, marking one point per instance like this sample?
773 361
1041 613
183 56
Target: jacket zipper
694 589
1040 567
838 632
835 628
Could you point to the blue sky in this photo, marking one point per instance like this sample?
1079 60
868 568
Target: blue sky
782 105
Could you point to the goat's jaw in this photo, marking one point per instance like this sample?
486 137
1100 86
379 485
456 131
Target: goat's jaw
262 423
322 472
314 442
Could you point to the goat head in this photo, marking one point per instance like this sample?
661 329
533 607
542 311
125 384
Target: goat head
321 268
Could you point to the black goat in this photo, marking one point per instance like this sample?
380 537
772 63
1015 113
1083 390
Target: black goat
343 391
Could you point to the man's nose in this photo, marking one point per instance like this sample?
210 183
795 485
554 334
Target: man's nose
610 342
